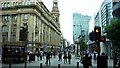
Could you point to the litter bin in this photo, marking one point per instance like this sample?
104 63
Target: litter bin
31 57
102 61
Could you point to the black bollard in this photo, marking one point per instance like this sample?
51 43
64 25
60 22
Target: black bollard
25 64
58 65
77 64
10 63
40 65
102 61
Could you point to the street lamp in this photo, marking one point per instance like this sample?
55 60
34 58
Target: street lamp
26 32
23 37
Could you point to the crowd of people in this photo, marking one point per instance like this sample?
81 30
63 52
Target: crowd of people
66 56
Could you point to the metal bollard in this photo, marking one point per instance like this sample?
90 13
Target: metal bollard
10 64
77 64
40 65
25 64
100 60
58 65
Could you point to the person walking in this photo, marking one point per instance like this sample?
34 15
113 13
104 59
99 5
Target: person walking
38 55
60 56
54 54
94 57
41 55
65 58
86 61
48 58
69 57
115 60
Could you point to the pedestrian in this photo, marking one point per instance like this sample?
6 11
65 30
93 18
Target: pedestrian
115 56
94 56
65 58
38 55
48 58
41 55
54 54
69 57
60 56
86 61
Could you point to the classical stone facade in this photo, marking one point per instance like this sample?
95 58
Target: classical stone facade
43 25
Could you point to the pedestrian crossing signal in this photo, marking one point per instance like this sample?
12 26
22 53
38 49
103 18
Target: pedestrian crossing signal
102 39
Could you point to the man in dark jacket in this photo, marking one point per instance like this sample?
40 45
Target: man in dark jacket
69 58
60 56
86 61
48 58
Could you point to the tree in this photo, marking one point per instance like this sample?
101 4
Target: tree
82 44
113 31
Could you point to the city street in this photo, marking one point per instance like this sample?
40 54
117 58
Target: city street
54 64
32 28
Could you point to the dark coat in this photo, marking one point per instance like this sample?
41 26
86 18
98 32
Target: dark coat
65 56
86 61
69 56
48 55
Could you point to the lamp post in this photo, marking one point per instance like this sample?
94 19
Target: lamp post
32 43
23 37
26 32
78 40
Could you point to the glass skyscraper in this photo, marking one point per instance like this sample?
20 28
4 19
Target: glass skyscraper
80 26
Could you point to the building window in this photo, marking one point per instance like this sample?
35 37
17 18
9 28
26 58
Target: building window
8 18
14 28
23 2
2 4
28 2
26 16
14 18
8 4
4 38
5 4
0 18
5 18
13 38
14 3
4 28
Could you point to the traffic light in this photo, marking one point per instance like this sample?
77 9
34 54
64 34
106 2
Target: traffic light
97 33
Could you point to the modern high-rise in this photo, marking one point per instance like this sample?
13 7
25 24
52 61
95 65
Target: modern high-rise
116 8
43 25
102 18
80 26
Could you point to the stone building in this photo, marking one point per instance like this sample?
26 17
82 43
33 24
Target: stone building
43 25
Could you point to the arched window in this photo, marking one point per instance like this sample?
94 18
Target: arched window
4 28
14 28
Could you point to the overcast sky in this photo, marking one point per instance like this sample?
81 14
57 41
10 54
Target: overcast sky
68 7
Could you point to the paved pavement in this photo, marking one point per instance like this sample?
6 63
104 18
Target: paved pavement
54 63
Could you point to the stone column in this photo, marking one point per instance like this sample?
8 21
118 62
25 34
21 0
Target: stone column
18 27
9 29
